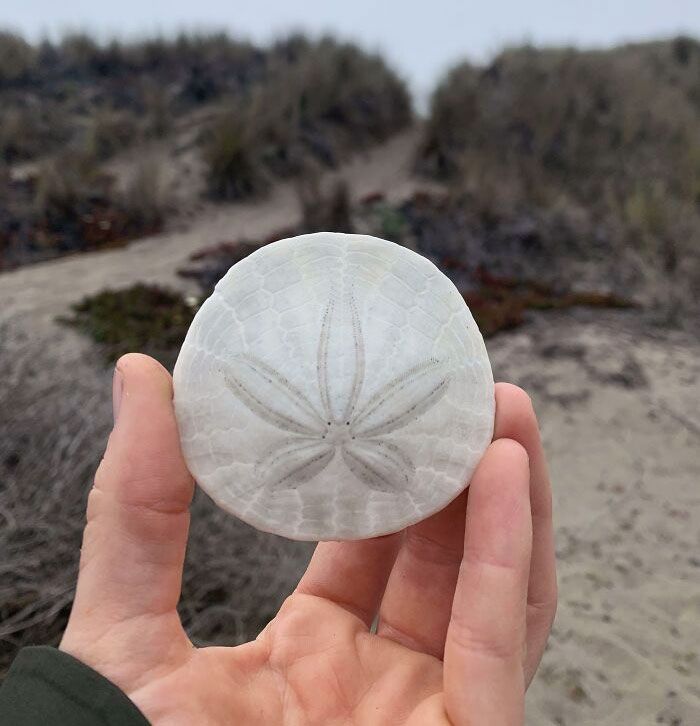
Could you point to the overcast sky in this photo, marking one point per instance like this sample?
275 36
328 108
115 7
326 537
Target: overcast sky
420 38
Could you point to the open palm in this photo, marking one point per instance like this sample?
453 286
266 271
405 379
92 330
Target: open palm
463 612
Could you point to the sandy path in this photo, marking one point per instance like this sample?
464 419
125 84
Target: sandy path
617 401
44 289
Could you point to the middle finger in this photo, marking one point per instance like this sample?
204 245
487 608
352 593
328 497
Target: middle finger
415 610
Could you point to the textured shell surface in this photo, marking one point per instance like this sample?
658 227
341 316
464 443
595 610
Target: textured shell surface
333 386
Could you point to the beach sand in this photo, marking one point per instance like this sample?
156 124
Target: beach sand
617 404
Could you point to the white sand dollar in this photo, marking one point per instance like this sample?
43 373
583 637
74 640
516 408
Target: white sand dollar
334 386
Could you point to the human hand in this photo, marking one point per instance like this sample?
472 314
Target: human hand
463 618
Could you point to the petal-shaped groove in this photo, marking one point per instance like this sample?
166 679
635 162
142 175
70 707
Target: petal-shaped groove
359 374
272 397
294 462
322 360
402 400
381 465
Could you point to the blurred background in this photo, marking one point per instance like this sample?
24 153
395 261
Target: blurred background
545 155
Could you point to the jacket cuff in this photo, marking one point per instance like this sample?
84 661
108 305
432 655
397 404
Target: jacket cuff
47 686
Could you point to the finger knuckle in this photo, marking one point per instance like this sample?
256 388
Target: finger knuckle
492 642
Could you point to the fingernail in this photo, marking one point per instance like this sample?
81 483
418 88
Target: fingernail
117 386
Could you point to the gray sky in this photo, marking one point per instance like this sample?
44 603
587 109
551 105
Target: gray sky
421 39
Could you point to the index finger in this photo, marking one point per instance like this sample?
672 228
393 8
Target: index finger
483 675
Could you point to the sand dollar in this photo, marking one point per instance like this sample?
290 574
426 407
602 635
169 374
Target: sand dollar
334 386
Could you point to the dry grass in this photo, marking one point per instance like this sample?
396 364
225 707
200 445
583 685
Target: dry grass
144 198
324 210
28 130
232 151
107 96
17 58
75 206
252 115
109 131
55 423
318 101
609 138
588 120
319 94
64 186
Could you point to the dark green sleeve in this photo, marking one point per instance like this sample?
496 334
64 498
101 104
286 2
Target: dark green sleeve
46 686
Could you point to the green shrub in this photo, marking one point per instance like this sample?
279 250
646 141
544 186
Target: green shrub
144 318
391 223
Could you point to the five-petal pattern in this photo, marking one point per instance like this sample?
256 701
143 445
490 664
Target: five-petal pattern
359 432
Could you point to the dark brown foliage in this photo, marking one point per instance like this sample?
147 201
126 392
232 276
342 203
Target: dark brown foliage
53 430
501 303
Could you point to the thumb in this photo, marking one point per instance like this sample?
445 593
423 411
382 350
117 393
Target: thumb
137 515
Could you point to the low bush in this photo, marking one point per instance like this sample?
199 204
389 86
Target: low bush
110 131
499 303
608 138
322 210
235 116
144 318
232 151
71 205
144 197
317 101
78 207
17 58
588 120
